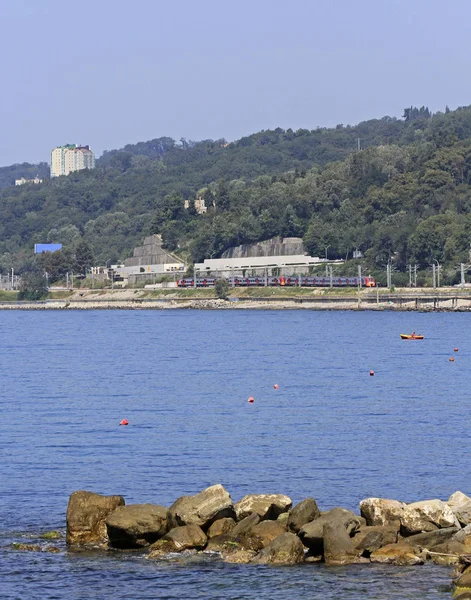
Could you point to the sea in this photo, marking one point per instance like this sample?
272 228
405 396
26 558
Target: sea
330 431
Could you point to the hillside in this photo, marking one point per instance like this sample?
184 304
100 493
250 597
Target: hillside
405 196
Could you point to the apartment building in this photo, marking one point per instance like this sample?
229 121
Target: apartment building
70 158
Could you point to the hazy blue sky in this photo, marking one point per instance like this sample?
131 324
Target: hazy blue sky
111 72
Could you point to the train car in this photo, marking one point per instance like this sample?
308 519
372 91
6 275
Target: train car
291 281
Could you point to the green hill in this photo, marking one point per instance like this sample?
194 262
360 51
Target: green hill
404 196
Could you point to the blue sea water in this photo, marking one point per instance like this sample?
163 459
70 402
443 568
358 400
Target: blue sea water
182 379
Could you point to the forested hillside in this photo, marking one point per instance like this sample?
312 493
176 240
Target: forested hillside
398 190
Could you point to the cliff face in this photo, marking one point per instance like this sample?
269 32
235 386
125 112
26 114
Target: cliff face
275 247
150 253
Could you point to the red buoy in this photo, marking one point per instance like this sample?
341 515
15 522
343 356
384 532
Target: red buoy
455 350
124 422
251 399
451 359
372 373
276 386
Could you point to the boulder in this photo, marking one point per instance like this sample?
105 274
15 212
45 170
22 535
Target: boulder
304 512
203 509
380 511
463 584
239 557
220 527
246 525
228 543
266 506
86 517
338 545
427 515
136 525
430 539
460 504
179 539
283 519
370 539
400 554
463 535
312 533
286 549
268 531
447 553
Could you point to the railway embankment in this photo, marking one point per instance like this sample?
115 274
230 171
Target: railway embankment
445 299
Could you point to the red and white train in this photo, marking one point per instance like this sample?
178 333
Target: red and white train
281 281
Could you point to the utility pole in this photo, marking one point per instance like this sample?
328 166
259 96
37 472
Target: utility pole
67 279
388 276
434 283
331 280
415 275
410 275
462 275
358 144
359 276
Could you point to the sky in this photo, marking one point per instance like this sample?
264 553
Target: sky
112 72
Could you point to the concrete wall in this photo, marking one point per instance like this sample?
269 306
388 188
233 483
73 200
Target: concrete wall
275 247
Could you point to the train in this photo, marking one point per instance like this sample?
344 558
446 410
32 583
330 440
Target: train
281 281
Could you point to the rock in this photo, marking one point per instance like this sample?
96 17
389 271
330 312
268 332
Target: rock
447 553
246 525
179 539
286 549
268 531
427 515
227 543
304 512
380 511
136 525
338 545
370 539
460 504
220 527
400 554
203 509
266 506
312 533
239 557
283 519
86 516
51 535
26 547
463 584
429 540
463 535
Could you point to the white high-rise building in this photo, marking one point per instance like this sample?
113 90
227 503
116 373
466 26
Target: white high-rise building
69 158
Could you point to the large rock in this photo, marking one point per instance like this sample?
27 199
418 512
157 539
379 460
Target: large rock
203 509
338 545
286 549
246 525
86 517
228 543
266 506
460 504
179 539
221 526
304 512
430 539
268 531
380 511
136 525
463 585
400 554
312 534
370 539
427 515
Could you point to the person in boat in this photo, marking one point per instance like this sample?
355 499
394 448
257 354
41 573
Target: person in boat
413 335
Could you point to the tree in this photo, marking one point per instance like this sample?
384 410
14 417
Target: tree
222 289
84 258
33 286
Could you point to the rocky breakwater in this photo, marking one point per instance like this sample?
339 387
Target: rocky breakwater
267 529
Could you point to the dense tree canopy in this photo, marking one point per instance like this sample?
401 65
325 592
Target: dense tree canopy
395 189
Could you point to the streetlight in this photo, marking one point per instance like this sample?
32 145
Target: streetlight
327 247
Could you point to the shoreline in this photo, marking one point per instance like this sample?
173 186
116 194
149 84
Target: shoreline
446 300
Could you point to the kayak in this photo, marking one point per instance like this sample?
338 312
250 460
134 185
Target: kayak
407 336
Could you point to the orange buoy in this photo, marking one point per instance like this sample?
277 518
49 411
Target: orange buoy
451 359
455 350
251 399
276 386
372 373
124 422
